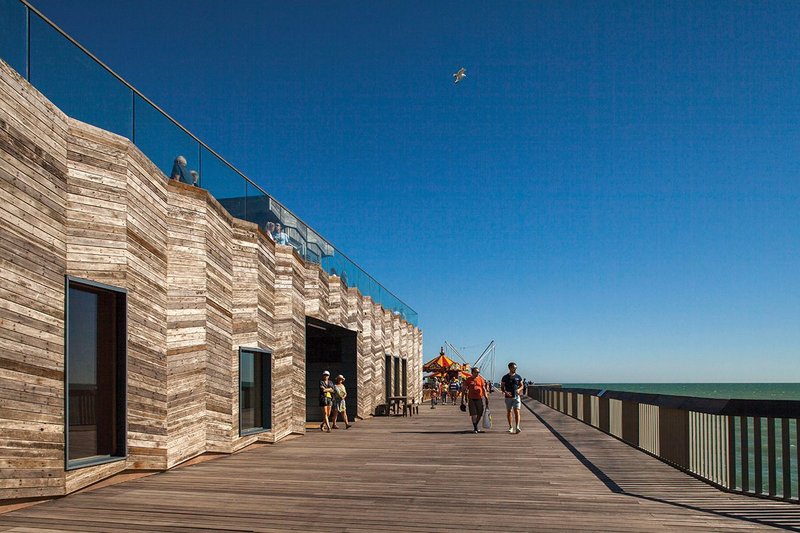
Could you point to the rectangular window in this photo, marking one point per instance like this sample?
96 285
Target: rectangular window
404 377
255 390
95 373
388 376
397 390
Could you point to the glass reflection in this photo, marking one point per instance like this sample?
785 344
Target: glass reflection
92 378
254 391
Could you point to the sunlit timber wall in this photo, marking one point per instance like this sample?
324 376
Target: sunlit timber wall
80 201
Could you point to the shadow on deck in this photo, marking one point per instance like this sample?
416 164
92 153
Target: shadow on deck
630 472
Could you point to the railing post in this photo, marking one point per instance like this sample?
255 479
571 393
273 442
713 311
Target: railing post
630 422
771 463
797 451
786 464
731 452
673 435
587 408
604 417
745 454
757 453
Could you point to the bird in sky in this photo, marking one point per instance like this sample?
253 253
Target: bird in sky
460 75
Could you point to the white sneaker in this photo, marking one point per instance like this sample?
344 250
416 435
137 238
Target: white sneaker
518 430
511 430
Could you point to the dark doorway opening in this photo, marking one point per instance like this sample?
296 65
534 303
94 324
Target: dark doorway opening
404 377
330 348
387 372
397 390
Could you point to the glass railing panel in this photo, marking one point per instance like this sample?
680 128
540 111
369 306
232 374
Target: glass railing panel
258 209
163 142
87 91
316 247
296 235
77 84
224 183
332 264
14 35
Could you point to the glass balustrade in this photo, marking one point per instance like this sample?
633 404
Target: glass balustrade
163 142
86 90
76 83
14 35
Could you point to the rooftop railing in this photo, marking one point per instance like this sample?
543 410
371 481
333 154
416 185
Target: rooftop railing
745 446
86 89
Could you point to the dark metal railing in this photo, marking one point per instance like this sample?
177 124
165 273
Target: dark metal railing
746 446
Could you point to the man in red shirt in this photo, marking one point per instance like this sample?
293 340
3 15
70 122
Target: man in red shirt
476 395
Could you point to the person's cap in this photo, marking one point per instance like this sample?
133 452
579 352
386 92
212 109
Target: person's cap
326 373
340 377
512 363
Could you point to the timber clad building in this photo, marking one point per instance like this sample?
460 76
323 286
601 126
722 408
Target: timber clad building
143 321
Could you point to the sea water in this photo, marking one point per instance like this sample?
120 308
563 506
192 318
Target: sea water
744 391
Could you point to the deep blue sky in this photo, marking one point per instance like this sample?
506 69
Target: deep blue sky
612 194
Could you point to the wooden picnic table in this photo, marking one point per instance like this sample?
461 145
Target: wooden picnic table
396 401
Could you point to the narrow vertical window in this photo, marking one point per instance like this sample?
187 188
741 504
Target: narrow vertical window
95 373
397 390
388 376
255 390
404 376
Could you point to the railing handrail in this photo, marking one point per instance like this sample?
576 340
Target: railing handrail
712 406
201 143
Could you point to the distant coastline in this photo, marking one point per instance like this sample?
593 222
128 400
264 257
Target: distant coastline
745 391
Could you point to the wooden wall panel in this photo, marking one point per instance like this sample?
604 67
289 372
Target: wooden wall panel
289 349
221 358
147 314
186 323
78 200
244 322
33 190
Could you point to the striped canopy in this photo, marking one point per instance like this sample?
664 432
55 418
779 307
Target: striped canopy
441 363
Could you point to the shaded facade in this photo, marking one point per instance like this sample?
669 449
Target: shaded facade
84 212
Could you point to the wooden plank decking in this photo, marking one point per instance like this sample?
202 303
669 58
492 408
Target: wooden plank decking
426 473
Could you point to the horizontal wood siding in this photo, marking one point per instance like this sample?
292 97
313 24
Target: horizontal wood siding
77 200
33 197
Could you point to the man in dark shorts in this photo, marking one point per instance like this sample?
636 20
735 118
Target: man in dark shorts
475 393
512 385
325 400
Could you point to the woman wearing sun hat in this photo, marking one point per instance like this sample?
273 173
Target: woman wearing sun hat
325 400
339 405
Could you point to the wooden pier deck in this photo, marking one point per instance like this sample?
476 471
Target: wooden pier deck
425 473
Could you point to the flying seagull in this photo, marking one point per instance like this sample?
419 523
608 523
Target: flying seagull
460 75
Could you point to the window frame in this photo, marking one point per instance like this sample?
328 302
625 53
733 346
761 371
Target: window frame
261 352
121 296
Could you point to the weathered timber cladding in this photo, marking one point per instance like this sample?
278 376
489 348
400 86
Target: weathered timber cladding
80 201
33 197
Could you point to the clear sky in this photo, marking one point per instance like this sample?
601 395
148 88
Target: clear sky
611 194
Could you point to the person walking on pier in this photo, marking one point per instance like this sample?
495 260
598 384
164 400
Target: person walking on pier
512 386
475 392
453 390
339 404
325 400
